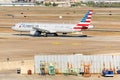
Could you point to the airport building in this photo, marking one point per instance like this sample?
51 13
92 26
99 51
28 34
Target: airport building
25 0
11 1
106 1
77 62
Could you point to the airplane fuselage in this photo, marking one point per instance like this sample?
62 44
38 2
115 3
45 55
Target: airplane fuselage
44 27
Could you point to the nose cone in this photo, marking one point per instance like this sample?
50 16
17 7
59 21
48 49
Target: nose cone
13 27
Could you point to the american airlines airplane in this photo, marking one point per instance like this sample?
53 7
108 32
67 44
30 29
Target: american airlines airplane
36 29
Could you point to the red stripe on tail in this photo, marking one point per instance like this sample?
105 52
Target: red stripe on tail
82 24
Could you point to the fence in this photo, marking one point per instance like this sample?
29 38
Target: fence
96 63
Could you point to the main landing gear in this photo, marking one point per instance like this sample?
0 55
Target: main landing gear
50 34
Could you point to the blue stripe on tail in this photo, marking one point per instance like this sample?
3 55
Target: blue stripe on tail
85 17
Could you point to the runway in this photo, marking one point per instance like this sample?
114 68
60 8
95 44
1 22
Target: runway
18 47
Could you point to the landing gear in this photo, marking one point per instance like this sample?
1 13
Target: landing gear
45 35
50 34
37 33
64 34
83 35
55 34
20 33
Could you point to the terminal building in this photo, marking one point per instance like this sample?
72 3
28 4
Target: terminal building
106 1
33 2
11 1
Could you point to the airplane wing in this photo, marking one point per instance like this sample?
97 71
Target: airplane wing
44 30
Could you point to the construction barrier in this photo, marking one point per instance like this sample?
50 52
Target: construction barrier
76 63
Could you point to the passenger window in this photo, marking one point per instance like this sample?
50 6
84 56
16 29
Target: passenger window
23 25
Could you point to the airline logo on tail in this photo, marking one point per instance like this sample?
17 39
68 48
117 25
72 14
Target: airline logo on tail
85 22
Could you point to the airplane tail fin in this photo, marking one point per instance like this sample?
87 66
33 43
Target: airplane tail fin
85 22
87 17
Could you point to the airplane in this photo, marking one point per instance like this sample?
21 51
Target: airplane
36 29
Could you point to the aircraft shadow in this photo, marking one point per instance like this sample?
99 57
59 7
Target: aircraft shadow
83 36
21 34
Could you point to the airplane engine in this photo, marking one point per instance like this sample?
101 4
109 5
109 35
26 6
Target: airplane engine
35 33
